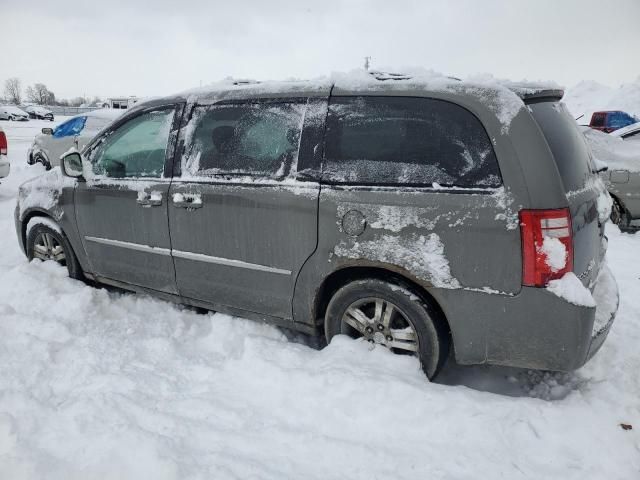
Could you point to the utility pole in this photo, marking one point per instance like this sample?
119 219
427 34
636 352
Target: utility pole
367 61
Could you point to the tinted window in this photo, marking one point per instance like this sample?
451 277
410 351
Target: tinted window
136 149
248 139
391 140
620 119
70 128
567 143
597 120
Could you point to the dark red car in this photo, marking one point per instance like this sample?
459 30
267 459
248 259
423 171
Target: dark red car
611 120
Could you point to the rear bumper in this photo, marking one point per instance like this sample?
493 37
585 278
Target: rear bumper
533 329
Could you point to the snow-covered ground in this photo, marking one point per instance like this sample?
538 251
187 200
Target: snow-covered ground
98 384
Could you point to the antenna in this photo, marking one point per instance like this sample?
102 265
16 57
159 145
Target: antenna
367 61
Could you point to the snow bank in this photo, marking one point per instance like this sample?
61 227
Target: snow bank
587 97
570 288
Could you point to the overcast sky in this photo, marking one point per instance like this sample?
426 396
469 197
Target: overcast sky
156 47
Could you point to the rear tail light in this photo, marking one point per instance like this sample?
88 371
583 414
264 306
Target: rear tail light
547 237
3 144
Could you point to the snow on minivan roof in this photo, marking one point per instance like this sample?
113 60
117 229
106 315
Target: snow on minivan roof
503 97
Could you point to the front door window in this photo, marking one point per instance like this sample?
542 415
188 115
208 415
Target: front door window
135 149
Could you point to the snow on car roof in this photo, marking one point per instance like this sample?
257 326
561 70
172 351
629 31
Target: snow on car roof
13 108
621 132
105 113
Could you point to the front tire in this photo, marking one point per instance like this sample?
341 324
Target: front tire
391 316
45 163
47 244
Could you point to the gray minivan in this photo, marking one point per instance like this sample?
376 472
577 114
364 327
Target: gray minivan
423 215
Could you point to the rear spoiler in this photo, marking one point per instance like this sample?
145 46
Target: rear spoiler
532 93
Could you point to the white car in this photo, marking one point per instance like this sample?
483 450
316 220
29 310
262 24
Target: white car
630 132
76 132
4 161
9 112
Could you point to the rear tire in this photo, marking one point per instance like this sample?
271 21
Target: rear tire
391 316
47 244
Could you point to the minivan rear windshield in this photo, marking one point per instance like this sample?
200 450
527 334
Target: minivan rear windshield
566 142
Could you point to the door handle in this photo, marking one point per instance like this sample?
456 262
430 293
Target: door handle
152 199
187 200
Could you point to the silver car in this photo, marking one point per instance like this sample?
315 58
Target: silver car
75 132
623 174
10 112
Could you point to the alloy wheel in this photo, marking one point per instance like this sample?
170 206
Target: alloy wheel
47 247
380 322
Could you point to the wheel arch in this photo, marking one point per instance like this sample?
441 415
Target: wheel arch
32 213
340 277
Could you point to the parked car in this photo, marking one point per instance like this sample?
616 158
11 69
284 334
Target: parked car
9 112
610 121
630 132
4 160
39 113
75 132
422 216
622 177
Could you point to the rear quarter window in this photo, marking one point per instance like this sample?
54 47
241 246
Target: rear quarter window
567 143
407 141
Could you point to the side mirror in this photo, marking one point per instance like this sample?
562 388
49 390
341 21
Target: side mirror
72 165
47 131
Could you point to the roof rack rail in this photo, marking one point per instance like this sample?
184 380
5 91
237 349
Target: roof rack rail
382 76
240 81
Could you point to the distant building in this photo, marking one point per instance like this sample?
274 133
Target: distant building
120 102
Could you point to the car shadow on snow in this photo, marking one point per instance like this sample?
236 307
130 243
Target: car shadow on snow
509 381
513 382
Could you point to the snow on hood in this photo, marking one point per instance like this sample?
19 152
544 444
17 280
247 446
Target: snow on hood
44 191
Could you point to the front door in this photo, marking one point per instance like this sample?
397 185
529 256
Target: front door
241 224
121 209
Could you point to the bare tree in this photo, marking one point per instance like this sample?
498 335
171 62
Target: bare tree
13 90
40 95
